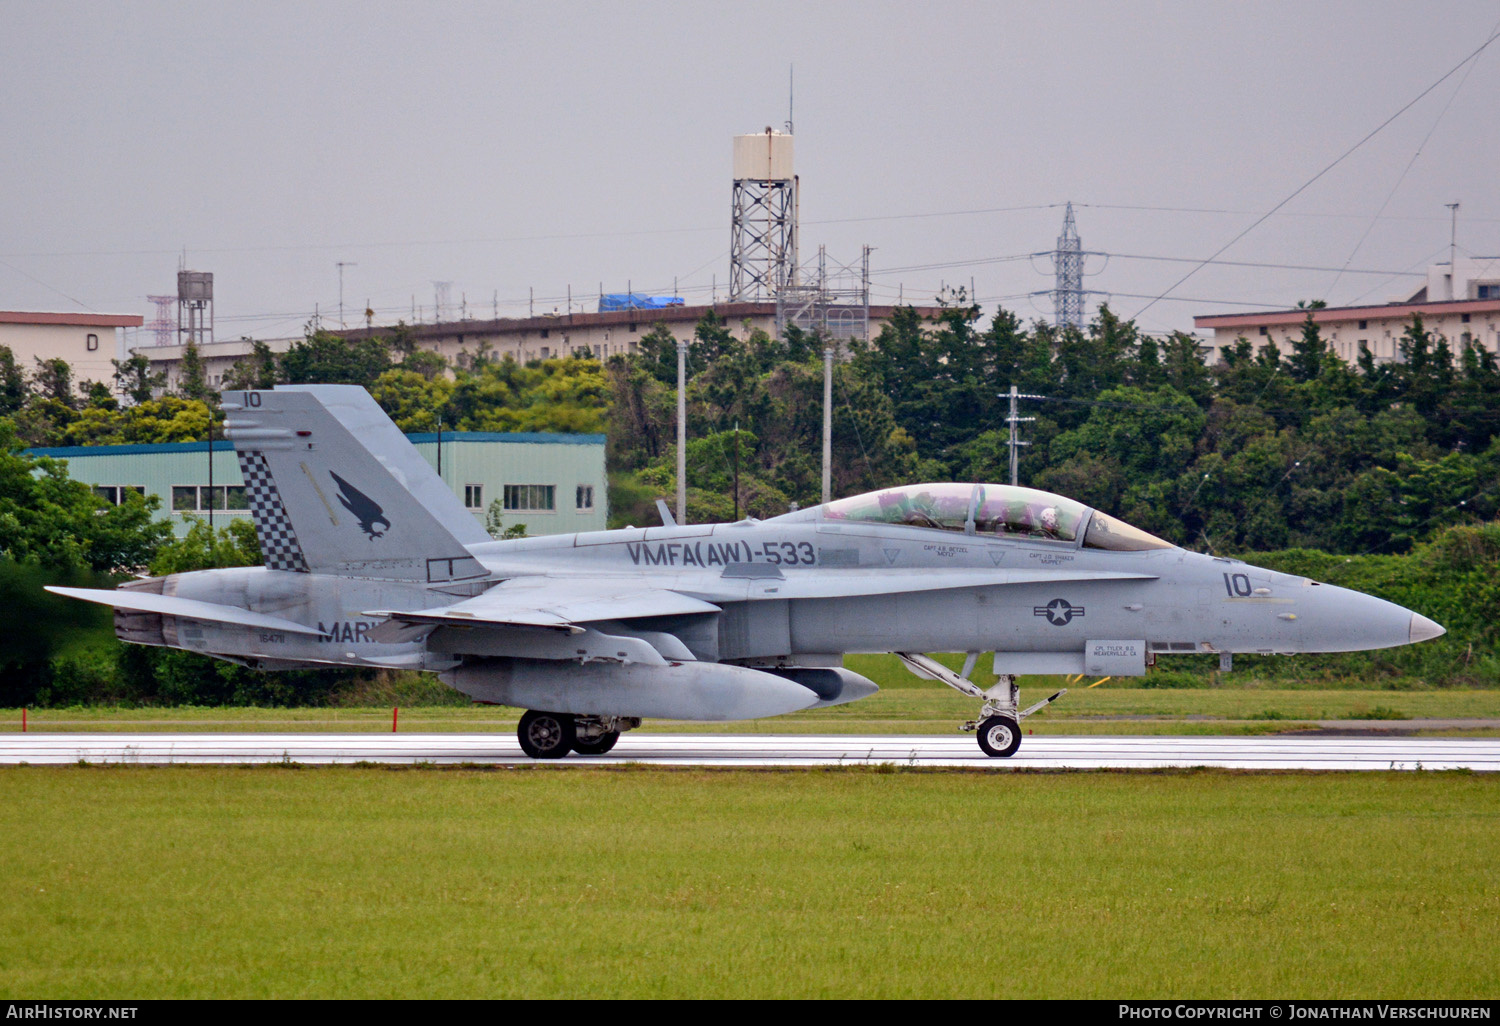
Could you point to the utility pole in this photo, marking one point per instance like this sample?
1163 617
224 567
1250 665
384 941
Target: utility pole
682 347
1015 438
1453 252
341 265
827 420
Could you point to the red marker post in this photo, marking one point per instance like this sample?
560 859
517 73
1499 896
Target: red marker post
395 714
23 721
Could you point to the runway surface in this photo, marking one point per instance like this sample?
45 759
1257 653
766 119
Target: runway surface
749 750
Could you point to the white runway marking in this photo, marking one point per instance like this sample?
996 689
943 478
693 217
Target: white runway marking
957 750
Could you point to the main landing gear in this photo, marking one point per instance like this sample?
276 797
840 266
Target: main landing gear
998 728
550 735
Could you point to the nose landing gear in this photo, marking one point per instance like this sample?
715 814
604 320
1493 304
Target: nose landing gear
999 736
999 726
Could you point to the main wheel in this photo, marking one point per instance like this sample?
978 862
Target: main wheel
599 745
546 735
999 736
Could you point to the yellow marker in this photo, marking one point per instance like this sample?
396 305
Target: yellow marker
1096 683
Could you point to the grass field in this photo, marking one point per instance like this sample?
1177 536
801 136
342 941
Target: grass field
366 882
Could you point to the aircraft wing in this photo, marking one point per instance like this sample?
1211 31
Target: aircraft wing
190 609
555 603
561 603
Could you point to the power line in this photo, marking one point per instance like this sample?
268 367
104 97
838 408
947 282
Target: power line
1338 160
1407 170
50 288
980 261
1290 213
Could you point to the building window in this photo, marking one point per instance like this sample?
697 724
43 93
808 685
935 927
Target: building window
546 352
92 341
1465 318
546 332
1363 325
474 496
1263 330
634 327
115 494
202 498
1491 291
585 497
530 498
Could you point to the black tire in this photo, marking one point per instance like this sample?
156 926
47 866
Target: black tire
599 745
999 736
546 735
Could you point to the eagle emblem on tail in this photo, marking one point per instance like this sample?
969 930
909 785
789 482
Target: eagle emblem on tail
364 508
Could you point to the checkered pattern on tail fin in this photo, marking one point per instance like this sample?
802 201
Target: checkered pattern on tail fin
278 542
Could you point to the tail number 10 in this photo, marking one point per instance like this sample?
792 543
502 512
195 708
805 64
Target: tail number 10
1237 585
252 398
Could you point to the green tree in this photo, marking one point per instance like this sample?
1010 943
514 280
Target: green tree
323 357
1149 434
54 381
13 392
257 369
1308 352
49 519
207 548
192 379
414 401
134 379
494 523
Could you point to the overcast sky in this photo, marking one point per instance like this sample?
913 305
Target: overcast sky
511 146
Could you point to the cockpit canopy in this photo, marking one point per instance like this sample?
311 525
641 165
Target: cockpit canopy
1006 511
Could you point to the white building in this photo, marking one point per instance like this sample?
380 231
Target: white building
601 335
1464 308
87 341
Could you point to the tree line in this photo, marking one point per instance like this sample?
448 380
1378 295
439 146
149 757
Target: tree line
1258 451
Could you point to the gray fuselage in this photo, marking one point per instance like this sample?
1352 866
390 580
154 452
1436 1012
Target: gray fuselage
795 589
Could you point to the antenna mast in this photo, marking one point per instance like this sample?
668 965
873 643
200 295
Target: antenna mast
791 71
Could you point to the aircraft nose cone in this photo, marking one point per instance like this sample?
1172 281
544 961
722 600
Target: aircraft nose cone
1423 629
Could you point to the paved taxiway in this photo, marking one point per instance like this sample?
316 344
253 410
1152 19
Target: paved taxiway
957 750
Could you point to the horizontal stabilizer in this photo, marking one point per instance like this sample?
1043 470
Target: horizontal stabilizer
188 609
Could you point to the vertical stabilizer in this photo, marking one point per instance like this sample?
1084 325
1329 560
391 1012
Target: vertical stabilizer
335 488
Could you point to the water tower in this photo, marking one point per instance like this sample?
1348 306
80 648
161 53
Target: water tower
195 307
763 225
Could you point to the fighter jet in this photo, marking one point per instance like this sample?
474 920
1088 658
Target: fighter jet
371 561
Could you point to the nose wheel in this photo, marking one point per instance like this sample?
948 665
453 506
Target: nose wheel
999 726
999 736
